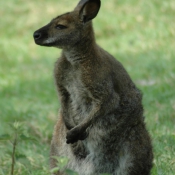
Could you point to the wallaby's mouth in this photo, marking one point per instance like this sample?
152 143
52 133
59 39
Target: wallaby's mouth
42 39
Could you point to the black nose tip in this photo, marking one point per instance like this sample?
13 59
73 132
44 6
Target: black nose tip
37 35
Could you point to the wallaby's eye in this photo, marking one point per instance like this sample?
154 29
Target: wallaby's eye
59 26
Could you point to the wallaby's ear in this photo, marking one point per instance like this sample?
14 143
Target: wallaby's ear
89 9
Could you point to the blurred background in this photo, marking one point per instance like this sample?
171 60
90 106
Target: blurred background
139 33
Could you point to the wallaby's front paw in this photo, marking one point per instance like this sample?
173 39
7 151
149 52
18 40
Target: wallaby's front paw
75 134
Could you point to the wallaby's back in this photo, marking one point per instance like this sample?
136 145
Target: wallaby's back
101 126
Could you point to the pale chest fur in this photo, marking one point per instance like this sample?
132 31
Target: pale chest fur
80 101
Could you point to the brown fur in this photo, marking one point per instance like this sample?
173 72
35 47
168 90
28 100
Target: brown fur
101 126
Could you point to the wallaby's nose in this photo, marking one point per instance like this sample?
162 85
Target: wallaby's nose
37 35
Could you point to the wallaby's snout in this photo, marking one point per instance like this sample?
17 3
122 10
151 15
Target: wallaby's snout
41 35
61 31
37 35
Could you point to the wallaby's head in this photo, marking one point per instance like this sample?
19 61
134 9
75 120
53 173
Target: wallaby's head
68 29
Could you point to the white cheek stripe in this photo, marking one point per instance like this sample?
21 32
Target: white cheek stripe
50 40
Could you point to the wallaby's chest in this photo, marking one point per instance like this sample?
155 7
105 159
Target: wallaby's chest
79 96
73 83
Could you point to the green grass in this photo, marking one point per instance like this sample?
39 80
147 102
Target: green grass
139 33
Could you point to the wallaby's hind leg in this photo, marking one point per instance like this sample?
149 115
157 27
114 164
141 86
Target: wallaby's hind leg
56 143
140 150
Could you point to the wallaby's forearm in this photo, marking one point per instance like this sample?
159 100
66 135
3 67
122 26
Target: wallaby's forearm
65 97
100 109
79 132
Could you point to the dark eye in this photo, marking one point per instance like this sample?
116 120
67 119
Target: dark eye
59 26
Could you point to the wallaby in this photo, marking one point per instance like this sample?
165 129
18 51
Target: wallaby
101 126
